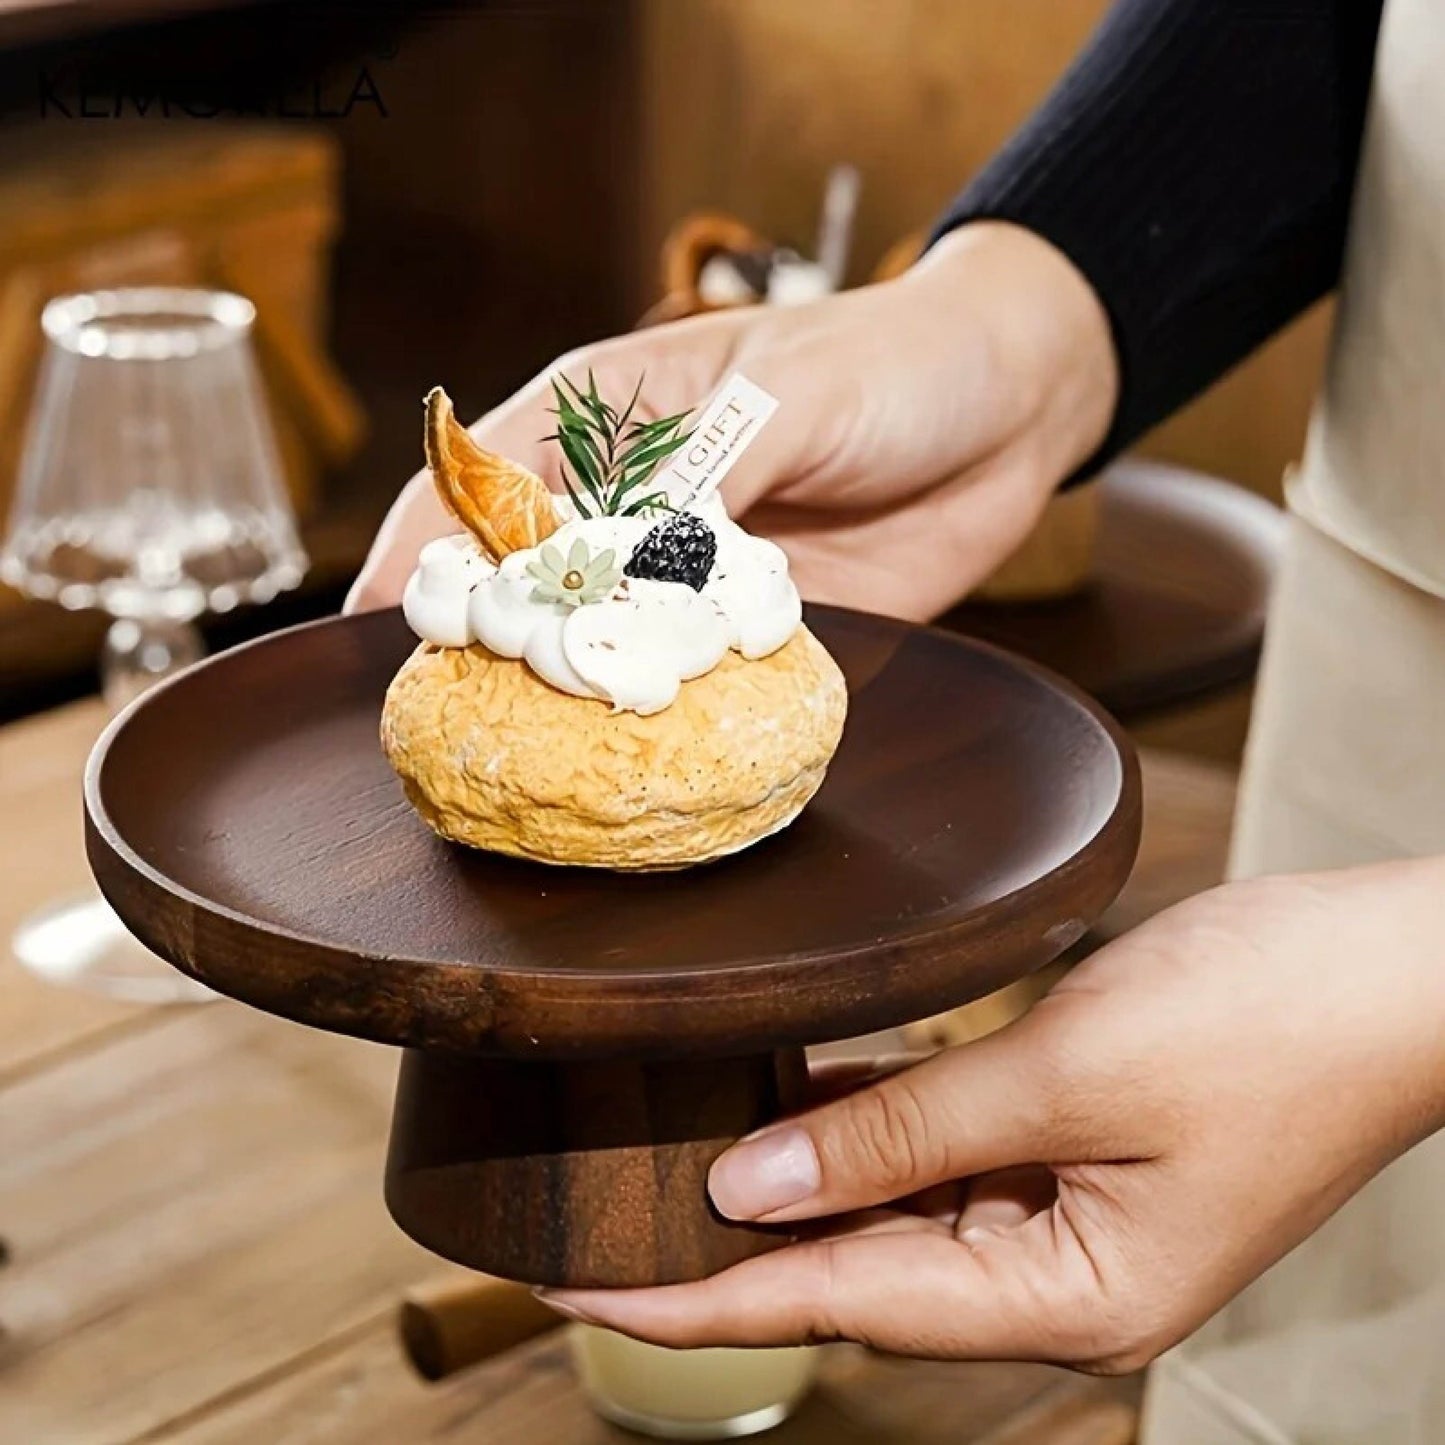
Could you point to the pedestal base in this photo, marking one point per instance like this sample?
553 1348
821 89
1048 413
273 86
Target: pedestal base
976 819
589 1173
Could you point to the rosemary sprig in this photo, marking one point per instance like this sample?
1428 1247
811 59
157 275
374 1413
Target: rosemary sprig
609 456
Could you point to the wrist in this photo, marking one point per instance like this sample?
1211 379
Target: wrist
1378 982
1403 902
1050 341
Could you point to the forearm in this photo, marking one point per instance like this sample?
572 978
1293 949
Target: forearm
1390 918
1196 165
1336 988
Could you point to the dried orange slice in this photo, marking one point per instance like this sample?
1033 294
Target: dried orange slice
503 505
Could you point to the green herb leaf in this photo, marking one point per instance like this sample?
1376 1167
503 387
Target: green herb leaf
655 502
630 407
652 454
607 454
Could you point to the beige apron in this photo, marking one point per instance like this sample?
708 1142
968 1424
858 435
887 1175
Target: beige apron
1344 1341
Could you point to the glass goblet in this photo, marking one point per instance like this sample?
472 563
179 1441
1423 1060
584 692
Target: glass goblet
150 488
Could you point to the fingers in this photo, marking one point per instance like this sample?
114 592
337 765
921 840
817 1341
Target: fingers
415 518
970 1110
1017 1294
1006 1198
913 559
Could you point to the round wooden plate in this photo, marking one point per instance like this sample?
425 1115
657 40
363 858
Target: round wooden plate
245 824
568 1024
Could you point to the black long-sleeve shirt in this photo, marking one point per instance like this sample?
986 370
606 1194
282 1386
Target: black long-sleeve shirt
1196 164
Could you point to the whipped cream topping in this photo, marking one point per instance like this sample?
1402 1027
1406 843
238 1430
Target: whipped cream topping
437 593
633 649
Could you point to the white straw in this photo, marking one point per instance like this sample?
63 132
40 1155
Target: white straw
835 229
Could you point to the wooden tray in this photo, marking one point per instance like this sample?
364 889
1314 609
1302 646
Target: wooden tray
581 1045
1175 609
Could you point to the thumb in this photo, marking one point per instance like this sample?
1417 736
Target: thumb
968 1110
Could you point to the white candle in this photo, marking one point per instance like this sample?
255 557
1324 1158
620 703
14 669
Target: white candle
690 1394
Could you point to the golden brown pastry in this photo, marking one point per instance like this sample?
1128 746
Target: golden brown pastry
603 681
492 756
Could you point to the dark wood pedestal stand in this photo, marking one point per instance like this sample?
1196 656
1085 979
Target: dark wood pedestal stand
579 1046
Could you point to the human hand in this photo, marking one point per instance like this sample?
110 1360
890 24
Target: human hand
924 421
1090 1184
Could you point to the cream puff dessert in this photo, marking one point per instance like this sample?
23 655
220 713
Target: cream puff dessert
607 678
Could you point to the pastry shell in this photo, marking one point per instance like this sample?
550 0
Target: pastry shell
492 756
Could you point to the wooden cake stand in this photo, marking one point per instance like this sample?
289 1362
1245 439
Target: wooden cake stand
580 1045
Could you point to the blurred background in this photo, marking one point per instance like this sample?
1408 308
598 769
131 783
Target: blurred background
414 194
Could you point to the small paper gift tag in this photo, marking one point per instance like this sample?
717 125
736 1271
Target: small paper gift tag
720 436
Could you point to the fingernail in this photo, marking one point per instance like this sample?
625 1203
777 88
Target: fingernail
764 1174
564 1306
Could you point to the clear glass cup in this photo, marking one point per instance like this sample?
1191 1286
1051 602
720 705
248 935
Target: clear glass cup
709 1394
150 488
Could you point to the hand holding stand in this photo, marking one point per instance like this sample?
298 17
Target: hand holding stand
581 1045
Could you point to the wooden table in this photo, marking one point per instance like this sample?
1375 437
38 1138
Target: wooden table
198 1251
